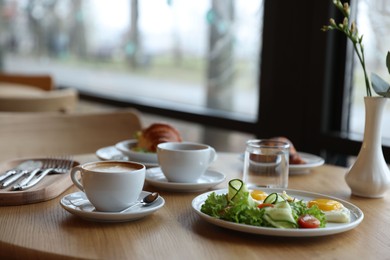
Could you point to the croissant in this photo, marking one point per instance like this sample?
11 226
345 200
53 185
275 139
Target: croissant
157 133
295 158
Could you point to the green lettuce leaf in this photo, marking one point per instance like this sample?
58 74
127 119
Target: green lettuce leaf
238 211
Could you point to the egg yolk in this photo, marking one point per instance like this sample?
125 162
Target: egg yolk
258 195
325 204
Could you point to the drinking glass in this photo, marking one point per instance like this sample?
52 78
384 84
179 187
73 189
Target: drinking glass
266 163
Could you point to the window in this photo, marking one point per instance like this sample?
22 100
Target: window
373 20
196 54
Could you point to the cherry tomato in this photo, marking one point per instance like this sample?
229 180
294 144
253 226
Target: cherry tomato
308 221
262 205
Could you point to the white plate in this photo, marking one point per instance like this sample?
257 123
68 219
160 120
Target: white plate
331 228
86 211
126 148
311 160
210 178
111 153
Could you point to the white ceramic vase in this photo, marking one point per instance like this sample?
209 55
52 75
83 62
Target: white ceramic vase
369 176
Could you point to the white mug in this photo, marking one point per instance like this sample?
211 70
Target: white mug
184 162
110 185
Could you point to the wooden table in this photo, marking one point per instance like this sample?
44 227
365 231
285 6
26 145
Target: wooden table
45 230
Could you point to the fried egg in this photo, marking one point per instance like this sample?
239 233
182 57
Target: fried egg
259 195
334 211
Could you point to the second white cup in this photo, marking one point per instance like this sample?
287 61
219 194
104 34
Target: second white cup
184 162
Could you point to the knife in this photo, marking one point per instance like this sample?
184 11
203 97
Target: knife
28 166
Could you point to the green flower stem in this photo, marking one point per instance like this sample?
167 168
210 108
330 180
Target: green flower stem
352 34
363 63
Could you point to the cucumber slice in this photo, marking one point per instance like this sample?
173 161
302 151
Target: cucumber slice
280 223
236 186
280 216
238 191
272 198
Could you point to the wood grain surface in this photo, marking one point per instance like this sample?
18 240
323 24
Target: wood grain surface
46 231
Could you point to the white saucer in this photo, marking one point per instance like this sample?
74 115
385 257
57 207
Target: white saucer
111 153
210 178
86 211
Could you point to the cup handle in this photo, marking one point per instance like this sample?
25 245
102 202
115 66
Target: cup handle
74 178
213 155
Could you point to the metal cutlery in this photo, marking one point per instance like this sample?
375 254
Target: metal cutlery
45 165
50 166
23 169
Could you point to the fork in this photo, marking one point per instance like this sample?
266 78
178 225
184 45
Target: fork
57 165
45 165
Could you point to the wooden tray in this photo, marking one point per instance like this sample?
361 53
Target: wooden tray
49 188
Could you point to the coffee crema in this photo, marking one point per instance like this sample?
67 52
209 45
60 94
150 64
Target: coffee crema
111 167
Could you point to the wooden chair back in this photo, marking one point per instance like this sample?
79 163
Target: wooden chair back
34 93
25 135
58 100
43 81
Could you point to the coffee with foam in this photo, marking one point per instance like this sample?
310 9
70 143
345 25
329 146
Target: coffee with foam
116 167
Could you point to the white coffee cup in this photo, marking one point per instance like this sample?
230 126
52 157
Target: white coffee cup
110 185
184 162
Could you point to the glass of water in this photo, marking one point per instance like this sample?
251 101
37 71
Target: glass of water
266 163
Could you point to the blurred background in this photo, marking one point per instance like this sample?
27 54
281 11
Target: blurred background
222 71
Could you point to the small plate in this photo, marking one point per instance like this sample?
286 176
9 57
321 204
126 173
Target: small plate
311 160
111 153
86 211
330 229
156 178
126 148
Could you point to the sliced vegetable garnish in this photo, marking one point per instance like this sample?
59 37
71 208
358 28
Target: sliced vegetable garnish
280 216
272 198
236 187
